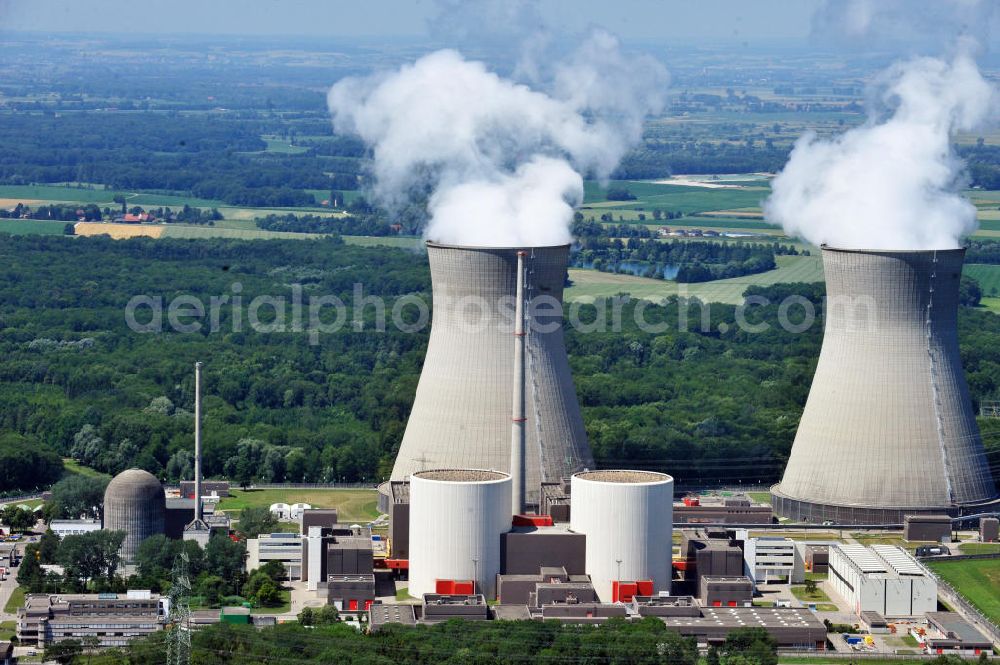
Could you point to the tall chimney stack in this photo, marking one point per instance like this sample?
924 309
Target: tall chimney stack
517 417
197 441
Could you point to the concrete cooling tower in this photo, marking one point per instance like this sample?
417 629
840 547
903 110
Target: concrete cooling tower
462 413
888 428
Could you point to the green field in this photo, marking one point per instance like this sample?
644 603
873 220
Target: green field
988 277
389 241
275 144
589 285
15 601
72 466
63 194
24 227
200 232
354 505
676 198
976 579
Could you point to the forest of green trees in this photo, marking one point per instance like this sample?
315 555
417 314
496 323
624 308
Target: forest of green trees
704 405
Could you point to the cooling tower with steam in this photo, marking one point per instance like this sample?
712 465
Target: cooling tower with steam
888 428
462 412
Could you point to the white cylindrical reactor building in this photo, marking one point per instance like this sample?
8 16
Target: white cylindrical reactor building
456 519
627 517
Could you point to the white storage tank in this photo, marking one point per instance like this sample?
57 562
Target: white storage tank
627 517
456 519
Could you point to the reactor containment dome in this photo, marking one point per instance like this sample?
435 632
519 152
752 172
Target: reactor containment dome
134 503
627 517
461 415
458 517
888 428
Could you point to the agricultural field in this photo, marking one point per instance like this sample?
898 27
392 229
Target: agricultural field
32 227
589 285
976 579
354 505
988 277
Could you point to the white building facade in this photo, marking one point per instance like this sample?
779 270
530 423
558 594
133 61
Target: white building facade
767 560
883 579
283 547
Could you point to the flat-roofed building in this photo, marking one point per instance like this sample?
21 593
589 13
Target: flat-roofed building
725 591
771 559
932 528
351 592
949 633
285 548
63 528
112 618
883 579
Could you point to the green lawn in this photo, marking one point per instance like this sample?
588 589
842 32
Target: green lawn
7 630
354 505
980 548
760 497
24 227
977 579
819 597
286 605
15 601
589 285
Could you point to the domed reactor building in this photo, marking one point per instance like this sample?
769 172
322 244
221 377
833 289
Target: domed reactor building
888 429
462 414
134 503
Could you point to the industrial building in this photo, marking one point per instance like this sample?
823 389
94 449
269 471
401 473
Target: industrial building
626 517
462 513
285 548
989 529
725 591
708 553
790 627
63 528
134 502
817 559
461 416
549 585
888 428
927 528
883 579
738 509
112 618
771 559
948 633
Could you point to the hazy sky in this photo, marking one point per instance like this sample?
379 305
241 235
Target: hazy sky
680 20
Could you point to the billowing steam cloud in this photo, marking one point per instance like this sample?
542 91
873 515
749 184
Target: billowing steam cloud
502 162
894 182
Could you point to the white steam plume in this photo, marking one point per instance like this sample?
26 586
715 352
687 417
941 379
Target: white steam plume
502 162
894 182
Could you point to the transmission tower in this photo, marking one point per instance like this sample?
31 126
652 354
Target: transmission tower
178 621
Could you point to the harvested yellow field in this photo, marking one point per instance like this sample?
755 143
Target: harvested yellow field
12 203
119 231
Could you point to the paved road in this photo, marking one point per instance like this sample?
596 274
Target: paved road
7 587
